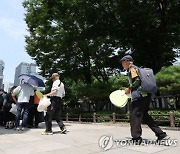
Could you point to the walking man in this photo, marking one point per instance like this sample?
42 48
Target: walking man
139 104
54 110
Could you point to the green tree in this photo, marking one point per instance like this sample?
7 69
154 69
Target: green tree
152 30
60 36
83 39
168 80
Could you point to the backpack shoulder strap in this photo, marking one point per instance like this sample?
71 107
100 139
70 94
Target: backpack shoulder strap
134 71
59 84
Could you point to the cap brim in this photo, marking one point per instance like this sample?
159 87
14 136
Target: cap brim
123 59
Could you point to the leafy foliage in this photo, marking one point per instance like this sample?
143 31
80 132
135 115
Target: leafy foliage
160 115
82 39
97 93
168 80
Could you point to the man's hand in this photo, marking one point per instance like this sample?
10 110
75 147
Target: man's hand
46 95
127 90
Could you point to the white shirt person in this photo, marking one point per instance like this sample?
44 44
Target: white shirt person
58 86
54 110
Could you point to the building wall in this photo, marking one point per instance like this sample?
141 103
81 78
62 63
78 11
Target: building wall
24 68
7 86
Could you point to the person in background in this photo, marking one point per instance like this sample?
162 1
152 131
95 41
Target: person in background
35 117
139 104
54 110
2 98
9 117
24 91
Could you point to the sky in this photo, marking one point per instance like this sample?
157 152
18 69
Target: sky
12 41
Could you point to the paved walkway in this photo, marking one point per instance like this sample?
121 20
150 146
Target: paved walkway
85 139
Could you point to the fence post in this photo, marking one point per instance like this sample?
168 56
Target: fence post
172 122
80 117
67 117
94 117
114 118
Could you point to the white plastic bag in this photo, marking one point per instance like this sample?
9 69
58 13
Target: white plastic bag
43 104
13 109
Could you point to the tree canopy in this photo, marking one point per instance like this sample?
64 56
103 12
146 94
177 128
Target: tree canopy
83 39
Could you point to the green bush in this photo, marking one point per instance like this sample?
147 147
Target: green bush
104 118
165 116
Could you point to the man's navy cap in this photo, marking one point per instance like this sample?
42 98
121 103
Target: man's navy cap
127 58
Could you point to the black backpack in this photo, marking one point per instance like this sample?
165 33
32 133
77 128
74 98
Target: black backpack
148 82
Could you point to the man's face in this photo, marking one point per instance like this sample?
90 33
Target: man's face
53 79
125 64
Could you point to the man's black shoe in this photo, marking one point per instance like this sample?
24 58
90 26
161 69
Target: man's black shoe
63 130
163 137
137 141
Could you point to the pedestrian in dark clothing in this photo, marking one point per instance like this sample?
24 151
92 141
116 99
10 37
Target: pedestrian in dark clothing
139 104
54 110
34 117
9 117
2 98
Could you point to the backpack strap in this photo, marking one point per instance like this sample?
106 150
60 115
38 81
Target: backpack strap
134 77
59 84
